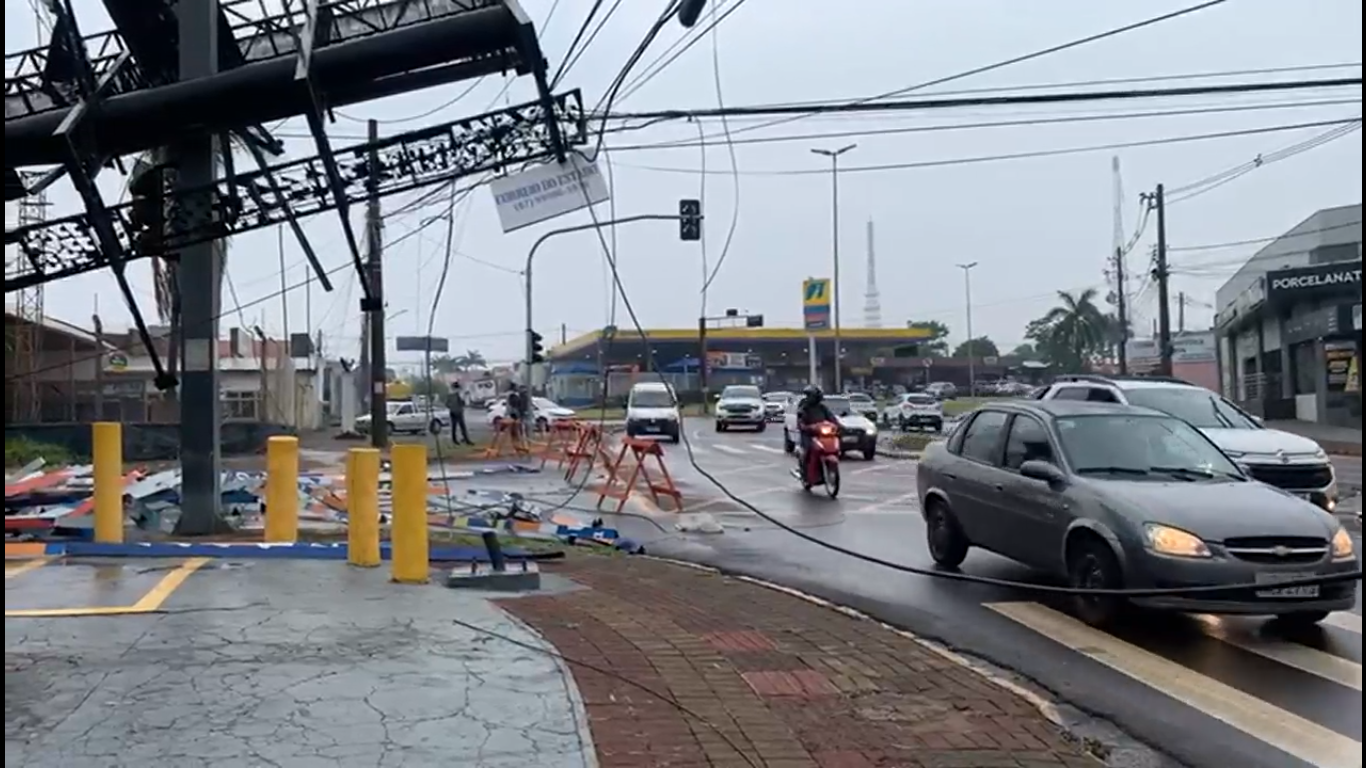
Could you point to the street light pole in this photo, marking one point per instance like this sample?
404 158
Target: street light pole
834 155
531 256
972 348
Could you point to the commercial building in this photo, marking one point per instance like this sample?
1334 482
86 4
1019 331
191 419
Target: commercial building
774 358
1194 357
1289 324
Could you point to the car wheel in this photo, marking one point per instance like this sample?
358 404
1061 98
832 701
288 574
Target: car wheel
762 427
939 428
788 445
390 428
720 427
870 452
1093 566
1300 619
948 546
434 427
676 438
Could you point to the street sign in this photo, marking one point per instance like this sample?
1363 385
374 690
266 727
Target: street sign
546 191
422 344
816 295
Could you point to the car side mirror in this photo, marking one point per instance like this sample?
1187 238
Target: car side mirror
1043 472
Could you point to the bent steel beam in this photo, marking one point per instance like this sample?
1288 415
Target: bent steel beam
266 91
507 137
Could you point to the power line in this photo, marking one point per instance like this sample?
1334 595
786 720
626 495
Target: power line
571 56
1024 155
730 147
1211 183
1263 240
994 101
656 67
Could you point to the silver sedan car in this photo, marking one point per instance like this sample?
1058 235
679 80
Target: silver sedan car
1120 497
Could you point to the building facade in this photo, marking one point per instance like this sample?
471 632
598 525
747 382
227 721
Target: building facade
1289 324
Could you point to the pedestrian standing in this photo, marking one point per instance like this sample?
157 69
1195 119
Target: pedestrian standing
455 403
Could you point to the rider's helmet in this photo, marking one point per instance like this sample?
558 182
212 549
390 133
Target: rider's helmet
812 394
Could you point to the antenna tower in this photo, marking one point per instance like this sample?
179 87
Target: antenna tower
872 300
26 305
1113 263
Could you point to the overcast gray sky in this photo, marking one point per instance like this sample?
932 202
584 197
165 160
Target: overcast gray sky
1035 225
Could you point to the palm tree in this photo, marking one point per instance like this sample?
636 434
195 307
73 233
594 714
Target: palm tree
1078 327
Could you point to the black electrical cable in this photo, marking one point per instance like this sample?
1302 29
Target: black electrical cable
670 55
707 140
1264 240
730 150
578 37
1063 151
431 329
1228 176
569 64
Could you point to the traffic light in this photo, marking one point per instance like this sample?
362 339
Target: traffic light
689 11
690 220
535 348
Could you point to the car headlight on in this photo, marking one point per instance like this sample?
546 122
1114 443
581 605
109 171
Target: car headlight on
1343 548
1174 542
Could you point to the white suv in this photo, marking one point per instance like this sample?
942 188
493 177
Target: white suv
917 410
652 410
1290 462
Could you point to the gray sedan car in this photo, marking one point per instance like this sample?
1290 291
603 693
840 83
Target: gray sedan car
1114 496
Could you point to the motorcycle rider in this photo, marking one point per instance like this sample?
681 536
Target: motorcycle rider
811 410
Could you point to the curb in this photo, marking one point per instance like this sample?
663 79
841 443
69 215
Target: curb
893 453
1350 450
242 550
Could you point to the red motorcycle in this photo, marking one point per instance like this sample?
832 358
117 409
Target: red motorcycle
821 463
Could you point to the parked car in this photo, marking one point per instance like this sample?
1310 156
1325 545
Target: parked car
544 412
407 416
858 433
1289 462
741 406
863 404
1120 497
942 390
775 405
918 411
652 409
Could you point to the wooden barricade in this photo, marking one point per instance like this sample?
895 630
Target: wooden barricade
508 440
589 449
562 440
631 470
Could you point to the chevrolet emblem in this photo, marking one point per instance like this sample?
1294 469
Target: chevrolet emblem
1281 551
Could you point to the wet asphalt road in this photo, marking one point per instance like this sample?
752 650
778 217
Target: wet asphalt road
1312 682
1349 472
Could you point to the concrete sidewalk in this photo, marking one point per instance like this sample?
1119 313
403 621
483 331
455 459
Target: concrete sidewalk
698 669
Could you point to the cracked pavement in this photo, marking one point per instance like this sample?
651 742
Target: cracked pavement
292 664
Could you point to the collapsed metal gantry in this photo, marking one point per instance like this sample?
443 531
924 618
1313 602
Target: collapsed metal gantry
85 102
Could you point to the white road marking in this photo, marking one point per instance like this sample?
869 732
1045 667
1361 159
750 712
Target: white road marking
1297 736
1344 620
874 468
767 448
729 449
886 504
1334 669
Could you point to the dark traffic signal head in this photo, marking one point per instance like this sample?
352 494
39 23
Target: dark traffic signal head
689 11
535 347
690 220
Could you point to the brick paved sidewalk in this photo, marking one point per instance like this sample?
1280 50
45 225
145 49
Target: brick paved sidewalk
792 684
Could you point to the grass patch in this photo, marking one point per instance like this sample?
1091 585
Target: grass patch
912 441
962 405
21 450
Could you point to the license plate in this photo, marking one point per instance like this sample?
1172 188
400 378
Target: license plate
652 428
1303 592
850 440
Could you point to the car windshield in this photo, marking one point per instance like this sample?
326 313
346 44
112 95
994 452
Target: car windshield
1200 408
776 397
544 404
651 398
859 397
840 406
1130 445
921 400
740 393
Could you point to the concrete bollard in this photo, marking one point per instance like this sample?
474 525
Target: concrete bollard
106 448
282 490
362 507
409 555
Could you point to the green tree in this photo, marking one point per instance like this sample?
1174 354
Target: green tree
937 345
978 347
472 358
1025 351
1071 335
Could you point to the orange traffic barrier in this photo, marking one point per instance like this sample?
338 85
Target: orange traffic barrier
507 440
635 455
564 437
589 450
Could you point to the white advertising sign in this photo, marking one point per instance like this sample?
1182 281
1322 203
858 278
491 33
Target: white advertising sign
1186 348
547 191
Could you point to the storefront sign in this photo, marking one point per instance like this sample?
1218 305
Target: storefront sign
1309 282
1186 348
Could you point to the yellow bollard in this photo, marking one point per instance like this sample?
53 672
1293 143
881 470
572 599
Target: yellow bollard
106 448
408 534
282 490
362 507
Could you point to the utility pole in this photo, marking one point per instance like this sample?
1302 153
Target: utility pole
374 230
1181 313
1161 274
702 362
99 367
971 345
834 155
1122 307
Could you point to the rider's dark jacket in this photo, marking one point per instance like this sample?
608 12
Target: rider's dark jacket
809 413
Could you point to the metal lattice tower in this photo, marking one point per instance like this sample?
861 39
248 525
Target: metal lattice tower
1112 277
872 299
27 306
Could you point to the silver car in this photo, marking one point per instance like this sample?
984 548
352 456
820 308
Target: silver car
1114 496
741 406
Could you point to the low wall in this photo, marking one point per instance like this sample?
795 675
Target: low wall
146 441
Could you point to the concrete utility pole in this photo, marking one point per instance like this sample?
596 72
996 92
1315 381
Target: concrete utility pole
1122 308
374 231
100 362
972 347
1162 274
195 157
834 155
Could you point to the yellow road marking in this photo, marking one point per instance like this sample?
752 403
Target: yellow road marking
1294 735
1348 621
1325 665
17 569
149 603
